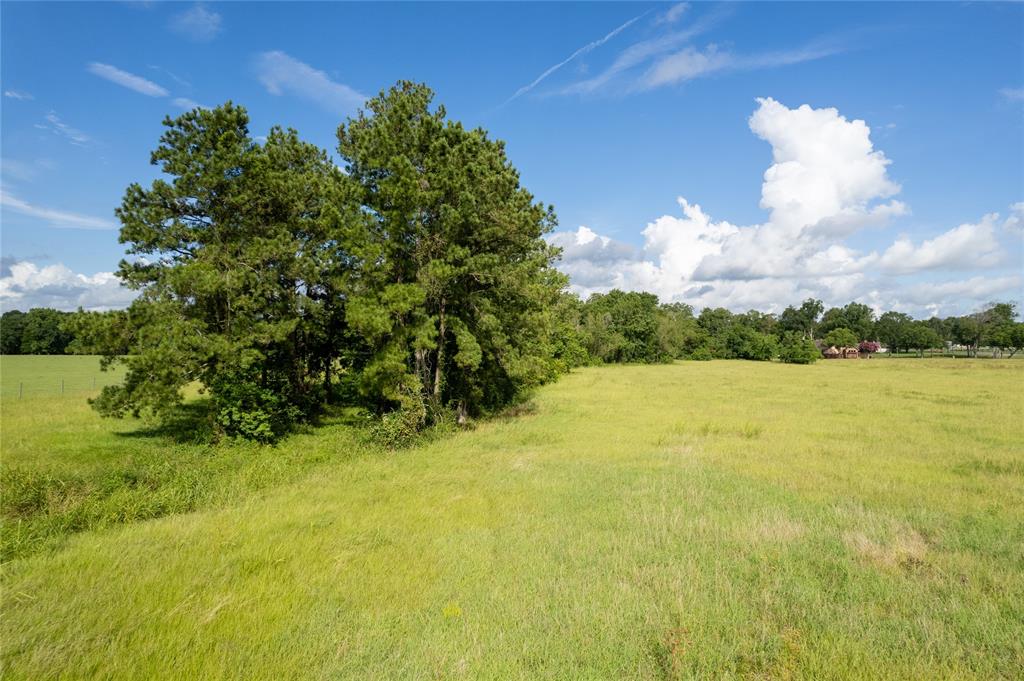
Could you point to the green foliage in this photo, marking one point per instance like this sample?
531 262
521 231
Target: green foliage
398 428
892 329
841 337
230 262
803 320
623 327
857 318
448 280
12 325
247 408
920 336
796 349
39 331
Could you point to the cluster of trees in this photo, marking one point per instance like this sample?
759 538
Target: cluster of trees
417 277
40 331
634 327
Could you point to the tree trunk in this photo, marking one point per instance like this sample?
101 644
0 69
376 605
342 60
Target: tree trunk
438 373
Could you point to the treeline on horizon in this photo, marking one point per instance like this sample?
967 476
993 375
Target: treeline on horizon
416 282
634 327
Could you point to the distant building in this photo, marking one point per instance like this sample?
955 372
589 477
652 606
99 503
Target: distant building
833 352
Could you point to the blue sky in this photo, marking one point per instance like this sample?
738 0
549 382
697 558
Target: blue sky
893 134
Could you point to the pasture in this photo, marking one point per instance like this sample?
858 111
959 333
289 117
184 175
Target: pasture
849 519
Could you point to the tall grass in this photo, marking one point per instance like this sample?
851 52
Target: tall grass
712 519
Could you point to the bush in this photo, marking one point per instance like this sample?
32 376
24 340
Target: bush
245 409
795 349
397 428
702 354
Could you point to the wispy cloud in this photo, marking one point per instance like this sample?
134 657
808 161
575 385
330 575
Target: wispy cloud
581 51
21 170
673 14
1014 94
281 74
58 127
198 23
18 94
128 80
57 218
187 104
691 63
644 51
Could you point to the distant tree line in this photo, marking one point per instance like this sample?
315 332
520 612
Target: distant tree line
40 331
635 327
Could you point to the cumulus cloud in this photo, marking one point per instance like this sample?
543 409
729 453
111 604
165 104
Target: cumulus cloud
128 80
826 182
24 285
969 246
198 24
57 218
281 73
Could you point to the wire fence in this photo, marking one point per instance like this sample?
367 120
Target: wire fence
55 387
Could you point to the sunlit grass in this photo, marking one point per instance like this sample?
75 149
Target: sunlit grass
841 520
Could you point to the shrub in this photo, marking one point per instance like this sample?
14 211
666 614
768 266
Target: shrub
243 408
795 349
869 347
397 428
702 354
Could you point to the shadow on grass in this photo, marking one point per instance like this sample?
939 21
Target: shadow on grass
193 423
189 423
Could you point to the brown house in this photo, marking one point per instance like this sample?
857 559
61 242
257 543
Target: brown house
841 353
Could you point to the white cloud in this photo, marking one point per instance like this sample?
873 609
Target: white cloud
58 127
673 14
187 104
645 50
18 94
22 170
581 51
690 63
57 218
825 166
25 285
685 65
826 182
1014 94
668 58
968 246
128 80
1015 221
281 73
198 23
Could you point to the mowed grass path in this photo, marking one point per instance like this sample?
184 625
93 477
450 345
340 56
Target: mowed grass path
843 520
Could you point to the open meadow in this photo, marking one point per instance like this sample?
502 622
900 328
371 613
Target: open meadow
847 519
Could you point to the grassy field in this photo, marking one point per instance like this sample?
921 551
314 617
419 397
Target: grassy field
842 520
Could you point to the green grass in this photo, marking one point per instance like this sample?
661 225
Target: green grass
842 520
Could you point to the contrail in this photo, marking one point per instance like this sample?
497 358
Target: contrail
583 50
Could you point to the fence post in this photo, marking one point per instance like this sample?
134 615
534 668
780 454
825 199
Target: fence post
21 389
62 386
93 382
